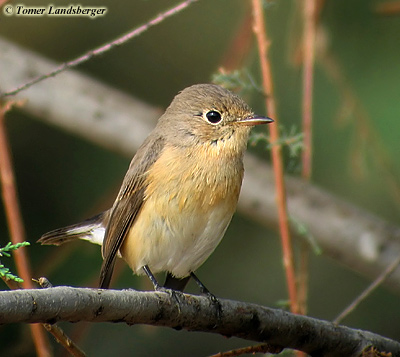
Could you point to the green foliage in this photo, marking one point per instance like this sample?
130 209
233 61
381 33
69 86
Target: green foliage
283 304
292 139
240 79
303 231
5 251
267 4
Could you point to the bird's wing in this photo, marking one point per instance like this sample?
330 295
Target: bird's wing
128 204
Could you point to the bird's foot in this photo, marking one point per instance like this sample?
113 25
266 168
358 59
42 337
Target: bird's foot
213 299
175 295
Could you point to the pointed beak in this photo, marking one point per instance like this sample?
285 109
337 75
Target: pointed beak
255 120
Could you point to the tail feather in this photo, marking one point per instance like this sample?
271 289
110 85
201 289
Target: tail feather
92 229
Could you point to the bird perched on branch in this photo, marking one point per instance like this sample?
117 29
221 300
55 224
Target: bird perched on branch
179 193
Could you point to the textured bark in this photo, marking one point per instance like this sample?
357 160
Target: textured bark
190 312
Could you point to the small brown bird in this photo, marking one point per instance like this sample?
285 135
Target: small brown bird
179 193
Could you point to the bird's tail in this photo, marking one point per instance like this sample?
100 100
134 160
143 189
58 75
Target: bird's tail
92 229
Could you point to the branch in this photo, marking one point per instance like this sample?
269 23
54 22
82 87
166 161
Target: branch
102 49
99 113
354 237
190 312
263 42
110 118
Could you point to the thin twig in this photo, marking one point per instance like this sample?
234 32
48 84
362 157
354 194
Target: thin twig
378 281
56 331
240 46
309 7
388 8
100 50
308 79
263 348
3 2
64 340
12 284
15 226
263 44
10 198
303 276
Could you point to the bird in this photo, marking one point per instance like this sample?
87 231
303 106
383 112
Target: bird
179 193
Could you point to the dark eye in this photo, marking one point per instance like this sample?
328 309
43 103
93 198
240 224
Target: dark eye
213 117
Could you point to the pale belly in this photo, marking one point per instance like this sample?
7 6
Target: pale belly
185 213
178 241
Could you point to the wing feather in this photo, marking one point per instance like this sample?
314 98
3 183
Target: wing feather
128 204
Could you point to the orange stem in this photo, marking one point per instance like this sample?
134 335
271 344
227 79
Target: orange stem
308 78
263 44
309 16
14 221
388 8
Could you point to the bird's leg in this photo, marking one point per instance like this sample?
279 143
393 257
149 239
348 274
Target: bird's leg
174 294
152 278
203 289
214 300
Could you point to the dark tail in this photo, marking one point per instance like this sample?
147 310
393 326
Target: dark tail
92 229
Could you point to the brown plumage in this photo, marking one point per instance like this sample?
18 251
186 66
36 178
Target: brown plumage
180 191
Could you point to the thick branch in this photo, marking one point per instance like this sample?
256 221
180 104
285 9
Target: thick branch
77 103
348 234
193 313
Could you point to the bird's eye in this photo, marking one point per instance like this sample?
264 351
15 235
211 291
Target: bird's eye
213 117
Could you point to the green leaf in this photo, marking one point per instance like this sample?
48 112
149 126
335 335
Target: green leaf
5 251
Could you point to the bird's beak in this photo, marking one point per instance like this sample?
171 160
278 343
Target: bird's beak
254 120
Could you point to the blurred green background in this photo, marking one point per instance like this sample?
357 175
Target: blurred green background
63 179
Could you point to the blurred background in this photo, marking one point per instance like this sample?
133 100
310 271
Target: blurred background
63 179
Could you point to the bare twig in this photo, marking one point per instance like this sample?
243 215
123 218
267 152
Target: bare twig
12 284
98 51
308 50
308 79
59 335
13 213
240 47
388 8
378 281
303 275
3 2
64 340
263 348
15 225
263 44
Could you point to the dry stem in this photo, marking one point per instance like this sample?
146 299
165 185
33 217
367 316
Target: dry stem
263 44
